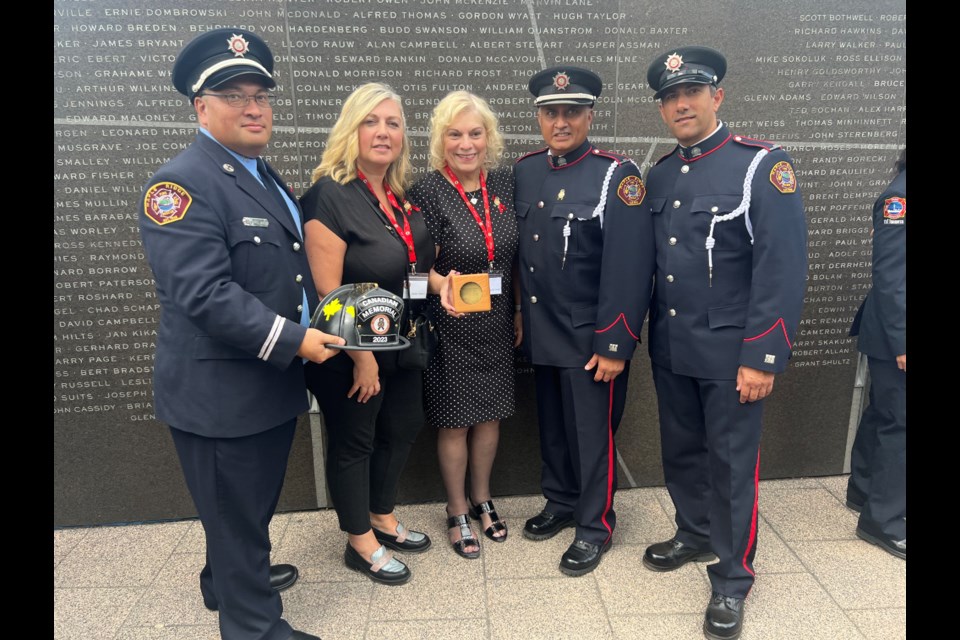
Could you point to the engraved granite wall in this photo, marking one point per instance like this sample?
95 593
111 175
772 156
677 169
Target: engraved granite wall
826 80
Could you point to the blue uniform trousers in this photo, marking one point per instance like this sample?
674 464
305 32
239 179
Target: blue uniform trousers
879 458
235 484
711 461
578 420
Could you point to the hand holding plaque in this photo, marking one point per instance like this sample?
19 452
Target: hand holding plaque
471 292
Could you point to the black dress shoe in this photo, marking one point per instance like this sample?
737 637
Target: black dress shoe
300 635
282 576
724 617
384 568
673 554
545 525
406 540
582 557
893 547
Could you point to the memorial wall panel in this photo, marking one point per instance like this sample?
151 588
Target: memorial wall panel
828 81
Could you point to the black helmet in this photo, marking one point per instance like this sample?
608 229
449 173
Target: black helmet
364 315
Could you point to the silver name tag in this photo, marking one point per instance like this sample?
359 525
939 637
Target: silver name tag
255 222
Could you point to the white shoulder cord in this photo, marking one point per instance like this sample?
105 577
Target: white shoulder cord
598 211
742 209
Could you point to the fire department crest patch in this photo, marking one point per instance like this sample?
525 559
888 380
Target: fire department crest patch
894 210
783 178
631 191
166 202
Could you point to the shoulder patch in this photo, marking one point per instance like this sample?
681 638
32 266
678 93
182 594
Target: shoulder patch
631 191
532 153
783 178
753 142
616 157
895 211
166 202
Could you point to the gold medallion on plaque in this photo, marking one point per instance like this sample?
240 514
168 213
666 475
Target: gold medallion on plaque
471 292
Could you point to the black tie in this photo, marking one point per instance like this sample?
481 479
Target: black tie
270 184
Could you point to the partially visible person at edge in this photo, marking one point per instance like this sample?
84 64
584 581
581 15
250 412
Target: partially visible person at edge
467 202
586 270
222 235
878 463
360 228
731 274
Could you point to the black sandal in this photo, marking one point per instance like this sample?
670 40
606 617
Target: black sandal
496 525
466 537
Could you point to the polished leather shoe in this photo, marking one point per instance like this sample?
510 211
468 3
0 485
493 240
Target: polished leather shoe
300 635
893 547
406 540
724 617
282 576
545 525
673 554
382 568
582 557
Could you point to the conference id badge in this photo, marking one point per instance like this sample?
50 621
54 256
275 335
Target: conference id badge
415 286
496 282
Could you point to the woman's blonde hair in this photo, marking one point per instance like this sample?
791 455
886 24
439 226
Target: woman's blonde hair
448 110
339 160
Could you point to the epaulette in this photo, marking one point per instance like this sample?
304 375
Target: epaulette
618 158
532 153
753 142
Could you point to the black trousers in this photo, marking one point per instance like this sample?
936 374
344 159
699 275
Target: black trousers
235 484
878 462
711 463
367 444
578 420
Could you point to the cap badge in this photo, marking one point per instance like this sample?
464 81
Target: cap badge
238 45
561 81
673 63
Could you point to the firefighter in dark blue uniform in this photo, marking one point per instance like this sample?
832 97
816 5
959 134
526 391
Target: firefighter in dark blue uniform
586 269
731 271
224 243
878 481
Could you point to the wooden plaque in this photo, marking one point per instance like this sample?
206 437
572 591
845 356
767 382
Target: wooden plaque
471 292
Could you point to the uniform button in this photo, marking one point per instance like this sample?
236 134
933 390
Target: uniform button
669 278
540 205
299 308
672 312
672 241
685 168
714 209
536 237
531 269
676 204
256 239
296 246
299 278
533 299
569 216
738 138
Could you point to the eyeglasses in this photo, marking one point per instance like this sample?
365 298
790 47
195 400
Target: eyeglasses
240 100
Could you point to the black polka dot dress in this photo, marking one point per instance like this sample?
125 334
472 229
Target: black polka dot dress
471 376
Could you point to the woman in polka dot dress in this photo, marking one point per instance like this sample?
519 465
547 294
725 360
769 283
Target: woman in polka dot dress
469 385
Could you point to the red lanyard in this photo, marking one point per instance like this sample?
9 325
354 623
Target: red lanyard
404 232
488 229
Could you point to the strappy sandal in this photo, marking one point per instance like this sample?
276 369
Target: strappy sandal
467 539
496 524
